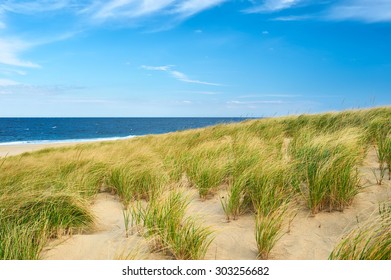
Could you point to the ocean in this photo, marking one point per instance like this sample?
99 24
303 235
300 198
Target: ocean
52 130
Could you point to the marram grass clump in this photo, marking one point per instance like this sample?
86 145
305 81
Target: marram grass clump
326 167
31 219
165 224
370 241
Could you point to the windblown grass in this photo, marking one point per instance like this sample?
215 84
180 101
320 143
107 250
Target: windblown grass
28 220
48 193
371 241
165 224
327 168
387 149
268 230
378 132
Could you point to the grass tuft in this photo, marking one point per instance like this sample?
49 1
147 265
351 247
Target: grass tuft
371 241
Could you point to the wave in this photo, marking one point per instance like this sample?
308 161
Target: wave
35 142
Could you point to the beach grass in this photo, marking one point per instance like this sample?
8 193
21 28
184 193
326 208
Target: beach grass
370 241
165 223
327 167
262 164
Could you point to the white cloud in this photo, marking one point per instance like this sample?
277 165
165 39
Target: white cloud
7 82
138 9
191 7
10 50
2 24
361 10
10 72
35 6
272 6
157 68
268 95
258 102
182 77
294 18
177 75
15 88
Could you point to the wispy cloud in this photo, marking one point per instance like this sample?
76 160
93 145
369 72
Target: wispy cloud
268 95
177 75
36 6
201 92
191 7
208 92
7 82
15 88
117 9
10 72
157 68
126 8
81 100
258 102
295 17
272 6
184 78
10 50
361 10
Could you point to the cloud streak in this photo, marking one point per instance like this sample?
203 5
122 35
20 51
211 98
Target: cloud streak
7 83
36 6
177 75
361 10
191 7
258 102
273 6
367 11
133 9
10 50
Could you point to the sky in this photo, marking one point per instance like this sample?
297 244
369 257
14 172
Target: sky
192 58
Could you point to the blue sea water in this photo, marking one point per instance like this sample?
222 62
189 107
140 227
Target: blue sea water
48 130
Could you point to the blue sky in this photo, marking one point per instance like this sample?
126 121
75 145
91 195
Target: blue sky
254 58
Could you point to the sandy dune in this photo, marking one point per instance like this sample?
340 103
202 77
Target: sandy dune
309 237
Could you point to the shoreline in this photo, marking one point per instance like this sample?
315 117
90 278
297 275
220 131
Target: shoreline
13 150
20 148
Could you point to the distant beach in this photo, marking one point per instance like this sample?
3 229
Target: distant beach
15 149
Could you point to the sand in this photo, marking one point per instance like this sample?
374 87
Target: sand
12 150
307 238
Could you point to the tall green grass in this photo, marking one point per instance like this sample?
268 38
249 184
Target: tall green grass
387 149
245 153
165 223
29 220
378 132
371 241
327 168
268 230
